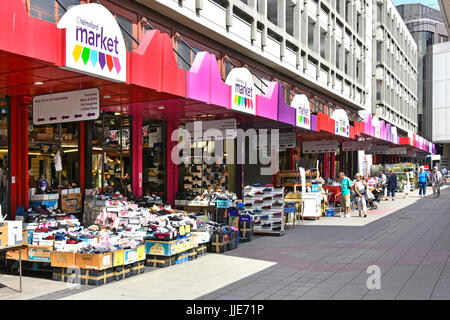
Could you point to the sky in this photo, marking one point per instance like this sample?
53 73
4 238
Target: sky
431 3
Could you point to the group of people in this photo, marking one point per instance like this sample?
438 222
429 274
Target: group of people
437 179
361 187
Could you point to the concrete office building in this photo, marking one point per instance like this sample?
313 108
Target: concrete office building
395 68
439 86
427 27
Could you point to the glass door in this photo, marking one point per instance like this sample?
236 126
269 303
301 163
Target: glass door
4 164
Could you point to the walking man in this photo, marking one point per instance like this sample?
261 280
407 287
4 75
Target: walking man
436 181
346 185
392 185
423 178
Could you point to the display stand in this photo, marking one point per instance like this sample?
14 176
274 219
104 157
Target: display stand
267 206
6 248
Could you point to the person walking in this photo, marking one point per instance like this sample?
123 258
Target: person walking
436 181
360 188
407 185
346 185
423 178
444 175
392 184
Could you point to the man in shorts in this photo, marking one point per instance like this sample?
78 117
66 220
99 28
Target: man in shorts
346 185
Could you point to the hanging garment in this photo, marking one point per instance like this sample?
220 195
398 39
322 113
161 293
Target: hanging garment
57 161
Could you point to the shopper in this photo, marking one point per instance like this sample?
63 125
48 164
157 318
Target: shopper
392 185
346 185
407 185
444 175
423 178
436 181
383 182
360 188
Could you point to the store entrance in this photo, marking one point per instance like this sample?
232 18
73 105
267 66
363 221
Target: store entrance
111 157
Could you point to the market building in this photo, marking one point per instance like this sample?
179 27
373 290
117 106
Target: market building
301 87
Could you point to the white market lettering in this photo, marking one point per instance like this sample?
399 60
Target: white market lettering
91 38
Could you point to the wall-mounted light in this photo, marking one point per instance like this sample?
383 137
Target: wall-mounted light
107 97
38 83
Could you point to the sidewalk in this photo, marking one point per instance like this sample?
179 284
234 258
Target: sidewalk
409 239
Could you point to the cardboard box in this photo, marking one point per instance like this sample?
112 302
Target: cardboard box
71 203
39 253
130 256
161 248
93 261
118 258
3 234
62 259
14 254
10 233
140 253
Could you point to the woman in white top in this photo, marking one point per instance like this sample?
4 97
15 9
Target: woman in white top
360 189
407 185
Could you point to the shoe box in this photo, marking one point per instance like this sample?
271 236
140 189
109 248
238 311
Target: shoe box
10 233
192 254
182 257
219 241
39 253
62 259
99 261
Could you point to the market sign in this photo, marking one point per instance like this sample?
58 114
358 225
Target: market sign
243 93
342 125
80 105
397 150
320 146
378 150
226 127
355 145
303 111
94 42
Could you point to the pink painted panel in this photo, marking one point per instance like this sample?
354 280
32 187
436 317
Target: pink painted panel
267 105
204 82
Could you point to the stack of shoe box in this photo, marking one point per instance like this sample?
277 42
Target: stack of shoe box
266 204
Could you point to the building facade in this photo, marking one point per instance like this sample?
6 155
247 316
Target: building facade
394 68
427 27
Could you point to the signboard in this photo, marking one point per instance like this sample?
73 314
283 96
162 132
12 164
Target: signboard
411 153
69 106
243 93
342 126
303 179
94 42
355 145
320 146
287 140
397 150
377 125
303 111
226 126
378 150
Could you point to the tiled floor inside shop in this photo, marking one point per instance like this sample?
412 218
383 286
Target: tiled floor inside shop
408 239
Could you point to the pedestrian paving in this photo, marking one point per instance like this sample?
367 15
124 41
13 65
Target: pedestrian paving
408 239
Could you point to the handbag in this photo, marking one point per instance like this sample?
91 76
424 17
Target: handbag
369 195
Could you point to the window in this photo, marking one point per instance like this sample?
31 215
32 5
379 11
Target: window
378 13
379 43
358 70
184 55
347 62
338 6
67 4
127 25
323 46
43 9
290 5
272 11
311 24
338 55
358 23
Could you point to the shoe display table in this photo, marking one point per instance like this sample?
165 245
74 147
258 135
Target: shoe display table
6 248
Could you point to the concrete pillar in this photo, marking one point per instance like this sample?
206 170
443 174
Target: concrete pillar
296 21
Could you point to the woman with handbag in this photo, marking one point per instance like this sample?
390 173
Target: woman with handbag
360 187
